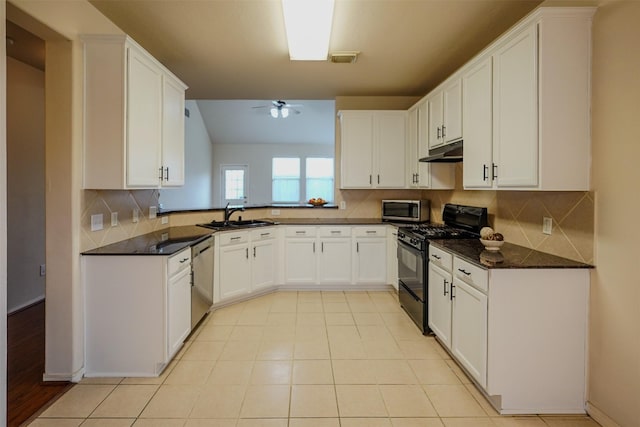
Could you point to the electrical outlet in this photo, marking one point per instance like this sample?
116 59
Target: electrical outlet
275 211
153 212
547 225
164 220
43 269
343 205
114 219
135 216
96 222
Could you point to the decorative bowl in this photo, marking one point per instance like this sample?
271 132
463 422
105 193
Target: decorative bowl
316 204
492 245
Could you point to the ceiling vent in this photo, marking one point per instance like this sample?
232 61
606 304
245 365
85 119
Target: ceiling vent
344 57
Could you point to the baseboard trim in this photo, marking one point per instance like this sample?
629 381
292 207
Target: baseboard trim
600 417
25 305
74 377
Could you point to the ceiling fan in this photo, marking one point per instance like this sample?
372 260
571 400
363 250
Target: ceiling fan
281 109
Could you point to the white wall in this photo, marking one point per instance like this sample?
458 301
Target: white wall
614 342
197 191
258 158
25 184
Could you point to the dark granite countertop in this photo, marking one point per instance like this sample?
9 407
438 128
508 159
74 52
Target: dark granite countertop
162 242
509 256
249 207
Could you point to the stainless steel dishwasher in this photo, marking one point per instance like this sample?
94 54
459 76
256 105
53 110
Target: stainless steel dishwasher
201 279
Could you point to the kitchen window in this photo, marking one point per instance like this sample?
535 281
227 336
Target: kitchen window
288 185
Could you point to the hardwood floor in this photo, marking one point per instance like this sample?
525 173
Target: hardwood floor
26 392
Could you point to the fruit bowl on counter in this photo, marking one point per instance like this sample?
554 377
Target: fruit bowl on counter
491 240
317 202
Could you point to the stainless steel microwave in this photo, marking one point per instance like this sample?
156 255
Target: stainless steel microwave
405 210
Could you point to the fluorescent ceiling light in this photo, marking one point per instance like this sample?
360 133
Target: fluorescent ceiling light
308 25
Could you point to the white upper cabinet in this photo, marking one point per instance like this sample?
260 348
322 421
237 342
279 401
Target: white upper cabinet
526 105
173 132
445 113
134 117
477 89
420 174
373 149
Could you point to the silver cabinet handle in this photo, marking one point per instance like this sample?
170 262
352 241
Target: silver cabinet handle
494 170
254 251
444 128
247 253
444 288
485 172
451 295
378 178
314 247
436 256
236 238
161 175
438 137
182 261
370 180
466 273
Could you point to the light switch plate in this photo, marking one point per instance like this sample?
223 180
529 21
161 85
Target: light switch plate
164 220
135 216
547 225
153 212
96 222
343 205
114 219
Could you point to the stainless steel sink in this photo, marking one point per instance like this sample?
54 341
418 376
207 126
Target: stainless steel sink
248 223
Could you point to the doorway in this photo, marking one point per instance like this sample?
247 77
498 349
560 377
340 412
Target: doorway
26 267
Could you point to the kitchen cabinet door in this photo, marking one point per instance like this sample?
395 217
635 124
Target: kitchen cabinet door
300 260
263 264
144 120
452 111
515 98
435 120
235 273
172 132
334 260
179 310
469 330
439 304
370 260
390 134
477 104
356 130
437 176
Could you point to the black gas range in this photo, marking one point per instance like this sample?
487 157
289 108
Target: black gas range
460 222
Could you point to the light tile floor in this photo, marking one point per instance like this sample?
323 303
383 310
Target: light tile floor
297 359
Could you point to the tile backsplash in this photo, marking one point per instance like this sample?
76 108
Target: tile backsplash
516 214
123 202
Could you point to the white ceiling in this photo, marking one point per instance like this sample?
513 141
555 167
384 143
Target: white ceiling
236 49
237 122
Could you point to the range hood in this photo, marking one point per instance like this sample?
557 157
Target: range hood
449 153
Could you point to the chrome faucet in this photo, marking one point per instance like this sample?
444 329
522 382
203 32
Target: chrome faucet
228 212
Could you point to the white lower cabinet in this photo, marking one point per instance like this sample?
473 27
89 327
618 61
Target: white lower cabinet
137 312
263 255
439 312
245 262
370 254
469 330
520 334
179 309
301 263
233 268
334 260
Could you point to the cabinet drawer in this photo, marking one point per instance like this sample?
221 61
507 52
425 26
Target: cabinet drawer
373 231
471 274
233 238
300 231
263 234
179 261
334 231
442 259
